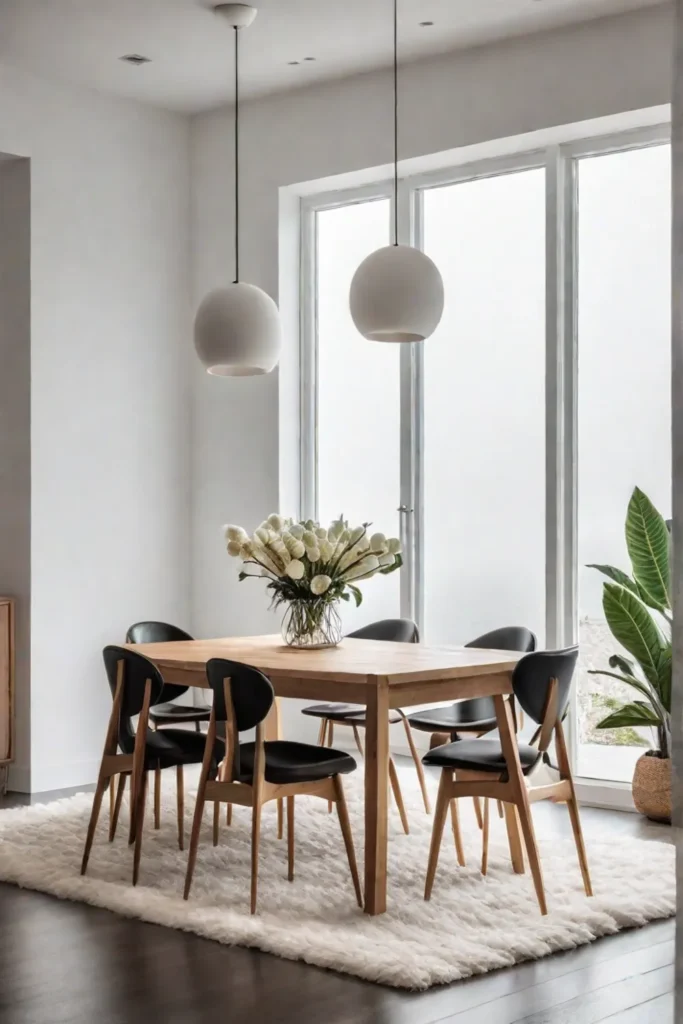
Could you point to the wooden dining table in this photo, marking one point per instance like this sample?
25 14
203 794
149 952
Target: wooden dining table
380 675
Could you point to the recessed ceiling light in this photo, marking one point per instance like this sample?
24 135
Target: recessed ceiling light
426 24
136 59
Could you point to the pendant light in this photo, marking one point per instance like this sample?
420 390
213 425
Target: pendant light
397 291
237 328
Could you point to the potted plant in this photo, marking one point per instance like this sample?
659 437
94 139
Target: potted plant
310 569
638 612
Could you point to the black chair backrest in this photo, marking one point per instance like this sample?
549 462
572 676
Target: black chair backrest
402 631
508 638
136 671
159 633
532 677
252 692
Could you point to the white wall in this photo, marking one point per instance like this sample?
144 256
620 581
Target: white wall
110 397
519 86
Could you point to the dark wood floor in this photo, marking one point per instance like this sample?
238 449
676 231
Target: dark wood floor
67 963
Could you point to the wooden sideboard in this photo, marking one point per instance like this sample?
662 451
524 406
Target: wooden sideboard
6 688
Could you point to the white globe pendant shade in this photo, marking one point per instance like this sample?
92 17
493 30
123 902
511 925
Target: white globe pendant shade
237 331
397 295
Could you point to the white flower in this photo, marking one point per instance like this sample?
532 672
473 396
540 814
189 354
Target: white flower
295 570
309 539
363 544
313 554
321 532
378 542
326 550
368 566
276 522
387 559
310 524
297 549
357 534
235 533
247 550
234 548
262 535
280 549
394 545
296 530
320 585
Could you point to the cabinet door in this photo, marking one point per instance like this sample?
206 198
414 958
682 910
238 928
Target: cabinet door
5 681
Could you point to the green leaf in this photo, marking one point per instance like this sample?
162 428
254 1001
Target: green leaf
648 543
623 664
616 575
397 563
637 715
634 628
357 594
664 677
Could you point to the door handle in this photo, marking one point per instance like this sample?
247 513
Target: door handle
404 510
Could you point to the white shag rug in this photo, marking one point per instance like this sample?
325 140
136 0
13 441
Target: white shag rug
472 924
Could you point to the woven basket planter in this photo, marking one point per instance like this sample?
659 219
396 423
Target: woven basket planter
652 787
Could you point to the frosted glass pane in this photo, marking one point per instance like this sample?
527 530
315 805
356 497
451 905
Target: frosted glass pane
358 398
624 403
484 459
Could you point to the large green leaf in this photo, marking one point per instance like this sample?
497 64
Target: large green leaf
634 628
616 575
664 676
648 541
637 715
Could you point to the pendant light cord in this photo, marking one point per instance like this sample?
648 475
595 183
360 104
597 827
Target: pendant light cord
395 122
237 156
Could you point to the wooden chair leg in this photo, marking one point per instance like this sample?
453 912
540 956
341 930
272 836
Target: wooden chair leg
328 743
418 764
457 834
356 736
280 818
216 821
139 822
529 834
477 810
501 813
573 806
485 838
290 838
321 733
117 807
255 839
398 796
199 806
180 803
345 824
92 825
514 838
112 796
440 812
157 798
228 815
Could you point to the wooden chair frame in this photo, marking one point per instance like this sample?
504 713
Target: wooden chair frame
226 789
512 791
124 765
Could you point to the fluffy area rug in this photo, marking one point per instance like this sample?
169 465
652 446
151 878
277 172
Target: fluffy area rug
472 924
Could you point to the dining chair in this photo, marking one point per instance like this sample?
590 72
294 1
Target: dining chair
166 712
477 715
354 715
252 774
136 685
541 683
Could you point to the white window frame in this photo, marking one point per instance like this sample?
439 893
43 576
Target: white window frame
560 162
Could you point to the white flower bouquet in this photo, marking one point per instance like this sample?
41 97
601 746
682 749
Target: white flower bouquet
311 568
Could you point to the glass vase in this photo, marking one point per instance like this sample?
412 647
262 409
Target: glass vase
311 625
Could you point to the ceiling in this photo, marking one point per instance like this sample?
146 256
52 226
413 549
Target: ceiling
80 41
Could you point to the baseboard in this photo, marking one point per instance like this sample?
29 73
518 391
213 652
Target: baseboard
19 779
47 777
613 796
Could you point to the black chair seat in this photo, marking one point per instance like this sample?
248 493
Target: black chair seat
477 715
287 761
479 756
179 713
170 747
355 713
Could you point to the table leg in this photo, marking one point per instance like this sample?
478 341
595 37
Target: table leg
376 797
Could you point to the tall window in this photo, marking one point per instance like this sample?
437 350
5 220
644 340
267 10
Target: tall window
624 330
511 439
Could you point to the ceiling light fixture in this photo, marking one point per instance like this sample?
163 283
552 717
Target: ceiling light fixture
136 59
237 328
397 292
